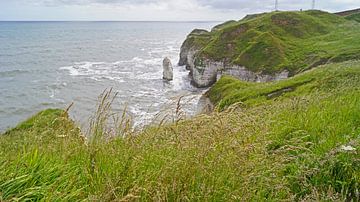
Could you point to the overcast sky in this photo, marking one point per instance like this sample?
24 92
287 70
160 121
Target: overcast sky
154 10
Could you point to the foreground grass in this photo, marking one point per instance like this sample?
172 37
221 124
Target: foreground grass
267 144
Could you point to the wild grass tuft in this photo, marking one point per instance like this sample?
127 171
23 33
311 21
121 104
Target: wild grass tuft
284 147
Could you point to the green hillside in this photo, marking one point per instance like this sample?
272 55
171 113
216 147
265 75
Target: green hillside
228 91
355 17
292 140
272 42
296 139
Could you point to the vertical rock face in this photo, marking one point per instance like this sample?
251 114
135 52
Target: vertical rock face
193 43
205 72
167 69
264 47
243 74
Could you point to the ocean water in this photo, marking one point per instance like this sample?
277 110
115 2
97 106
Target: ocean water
53 64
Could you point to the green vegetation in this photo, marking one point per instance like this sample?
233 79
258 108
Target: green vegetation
292 140
228 91
197 38
271 42
355 17
297 139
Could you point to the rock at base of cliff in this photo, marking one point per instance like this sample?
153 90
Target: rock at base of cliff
167 69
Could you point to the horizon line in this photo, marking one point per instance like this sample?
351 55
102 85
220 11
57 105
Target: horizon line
200 21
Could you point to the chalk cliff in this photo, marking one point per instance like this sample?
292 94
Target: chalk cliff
261 47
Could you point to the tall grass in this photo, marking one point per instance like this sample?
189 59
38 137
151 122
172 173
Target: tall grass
279 149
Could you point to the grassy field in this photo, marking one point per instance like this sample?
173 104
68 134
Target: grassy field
297 139
355 17
272 42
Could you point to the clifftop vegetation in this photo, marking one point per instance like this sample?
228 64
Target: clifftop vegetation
355 17
271 42
291 140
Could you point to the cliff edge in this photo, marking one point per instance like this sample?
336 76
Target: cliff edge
268 46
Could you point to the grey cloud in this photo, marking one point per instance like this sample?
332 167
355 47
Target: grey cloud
254 4
87 2
250 6
234 4
241 5
217 4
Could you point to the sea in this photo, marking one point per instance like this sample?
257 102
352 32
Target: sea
54 64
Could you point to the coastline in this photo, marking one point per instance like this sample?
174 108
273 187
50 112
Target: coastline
289 139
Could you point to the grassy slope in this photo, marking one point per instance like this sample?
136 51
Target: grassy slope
228 91
355 17
295 41
285 146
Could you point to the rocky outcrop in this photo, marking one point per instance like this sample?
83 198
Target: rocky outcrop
243 74
262 47
207 74
193 43
167 69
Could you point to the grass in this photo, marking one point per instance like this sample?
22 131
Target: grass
263 144
272 42
355 17
228 90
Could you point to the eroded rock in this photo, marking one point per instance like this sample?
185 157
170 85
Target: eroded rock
167 69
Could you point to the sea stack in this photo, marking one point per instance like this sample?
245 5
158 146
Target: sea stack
168 69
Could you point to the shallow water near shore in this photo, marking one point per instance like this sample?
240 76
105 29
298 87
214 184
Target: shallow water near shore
53 64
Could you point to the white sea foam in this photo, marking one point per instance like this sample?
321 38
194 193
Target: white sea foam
116 70
154 61
137 79
148 104
96 70
145 116
71 69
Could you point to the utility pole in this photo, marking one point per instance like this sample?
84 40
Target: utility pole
313 5
276 5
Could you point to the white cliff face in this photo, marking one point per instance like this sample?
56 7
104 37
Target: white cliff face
190 60
207 74
243 74
189 48
167 69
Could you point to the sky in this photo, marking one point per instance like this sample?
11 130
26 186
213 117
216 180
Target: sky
153 10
